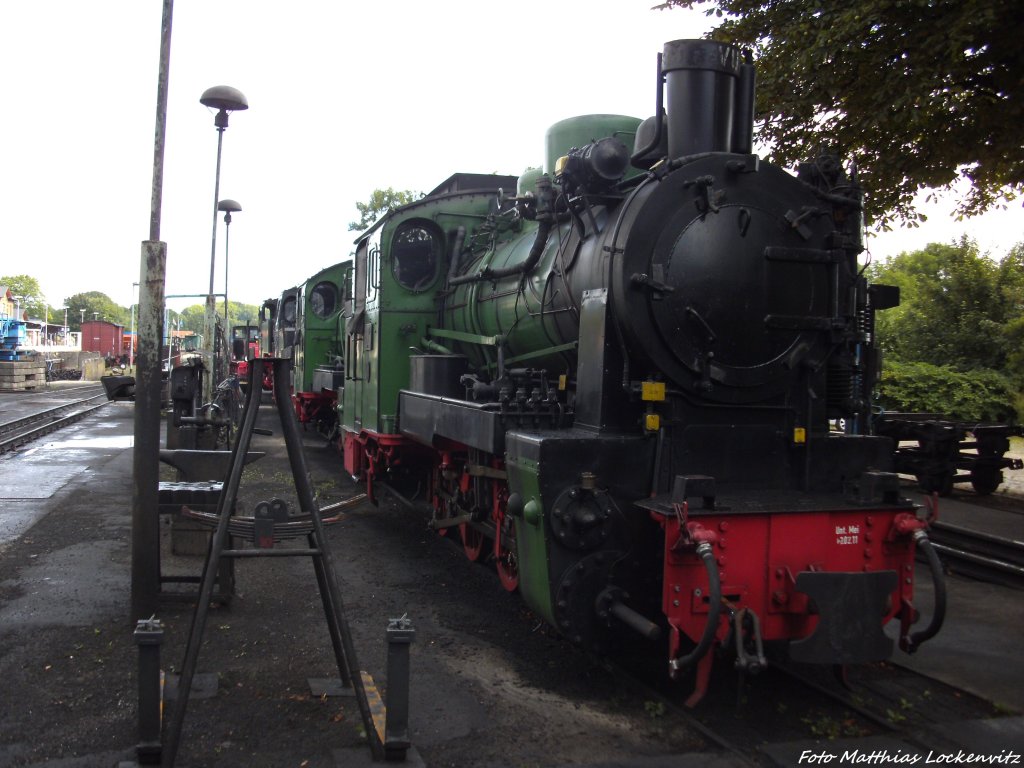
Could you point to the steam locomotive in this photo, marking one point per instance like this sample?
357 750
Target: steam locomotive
619 376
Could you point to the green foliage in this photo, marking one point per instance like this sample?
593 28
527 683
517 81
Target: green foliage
30 296
191 317
381 201
919 92
957 307
97 306
955 344
978 395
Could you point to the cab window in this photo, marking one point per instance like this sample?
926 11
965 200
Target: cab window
415 255
323 299
288 310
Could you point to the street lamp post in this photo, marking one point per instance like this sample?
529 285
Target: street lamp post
228 206
225 100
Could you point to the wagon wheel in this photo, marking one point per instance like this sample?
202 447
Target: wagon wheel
472 541
985 480
506 561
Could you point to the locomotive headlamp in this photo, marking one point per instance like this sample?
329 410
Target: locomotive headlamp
595 167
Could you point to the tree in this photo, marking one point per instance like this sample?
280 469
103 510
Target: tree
919 92
957 306
381 201
97 306
31 298
193 318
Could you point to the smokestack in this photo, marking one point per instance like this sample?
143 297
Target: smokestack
709 97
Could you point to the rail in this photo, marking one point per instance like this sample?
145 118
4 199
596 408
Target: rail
17 432
979 555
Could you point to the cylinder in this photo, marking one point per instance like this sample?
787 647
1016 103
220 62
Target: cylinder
701 79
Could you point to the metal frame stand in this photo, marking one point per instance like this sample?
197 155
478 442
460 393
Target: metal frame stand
341 637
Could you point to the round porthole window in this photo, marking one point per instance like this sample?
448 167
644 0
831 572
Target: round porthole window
323 299
415 255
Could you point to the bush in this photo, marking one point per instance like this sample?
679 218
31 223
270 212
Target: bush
978 395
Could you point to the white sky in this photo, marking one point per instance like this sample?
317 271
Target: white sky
345 97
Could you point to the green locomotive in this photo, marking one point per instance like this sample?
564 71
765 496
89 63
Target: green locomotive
615 376
321 306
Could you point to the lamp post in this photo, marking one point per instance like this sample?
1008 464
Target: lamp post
225 100
228 206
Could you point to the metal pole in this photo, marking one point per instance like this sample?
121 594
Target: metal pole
210 317
161 122
146 456
227 247
216 199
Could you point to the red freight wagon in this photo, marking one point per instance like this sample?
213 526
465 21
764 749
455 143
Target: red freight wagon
102 336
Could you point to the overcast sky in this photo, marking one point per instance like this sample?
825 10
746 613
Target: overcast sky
345 98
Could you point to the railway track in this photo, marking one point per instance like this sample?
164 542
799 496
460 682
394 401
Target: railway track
979 555
18 432
763 719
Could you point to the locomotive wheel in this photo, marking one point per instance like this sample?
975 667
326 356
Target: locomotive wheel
506 562
473 542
